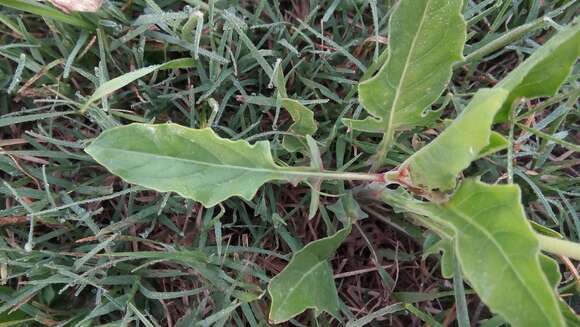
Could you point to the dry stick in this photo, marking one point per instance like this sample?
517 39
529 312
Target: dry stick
13 220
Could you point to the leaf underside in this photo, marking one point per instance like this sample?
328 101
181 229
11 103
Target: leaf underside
426 38
307 281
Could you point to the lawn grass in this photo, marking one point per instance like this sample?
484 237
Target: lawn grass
79 247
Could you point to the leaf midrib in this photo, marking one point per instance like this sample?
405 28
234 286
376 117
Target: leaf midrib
276 172
202 163
404 73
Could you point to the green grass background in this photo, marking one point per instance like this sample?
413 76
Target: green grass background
78 247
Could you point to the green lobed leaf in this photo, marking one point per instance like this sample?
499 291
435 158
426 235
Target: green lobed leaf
497 249
304 124
445 246
544 71
425 38
437 165
307 281
195 163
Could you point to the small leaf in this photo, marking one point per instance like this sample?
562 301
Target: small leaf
304 124
496 143
315 164
544 71
497 249
426 38
445 246
307 281
437 165
347 210
551 270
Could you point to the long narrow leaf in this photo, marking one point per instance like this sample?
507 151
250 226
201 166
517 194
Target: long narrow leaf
125 79
195 163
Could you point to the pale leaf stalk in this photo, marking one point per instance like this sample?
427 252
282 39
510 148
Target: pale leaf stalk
336 175
510 151
559 246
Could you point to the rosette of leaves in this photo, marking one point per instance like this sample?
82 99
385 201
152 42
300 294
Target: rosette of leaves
498 251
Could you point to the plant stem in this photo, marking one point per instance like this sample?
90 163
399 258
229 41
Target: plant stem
307 172
559 246
384 147
510 152
348 176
